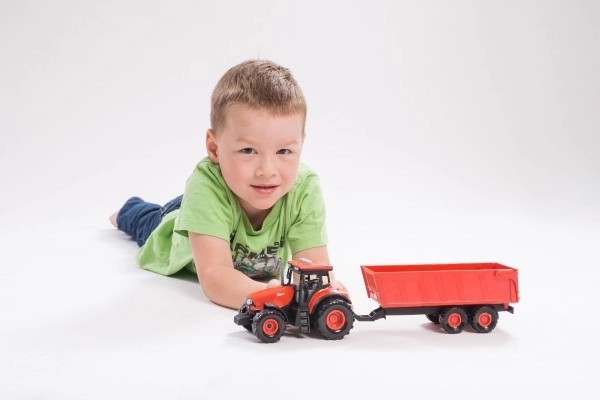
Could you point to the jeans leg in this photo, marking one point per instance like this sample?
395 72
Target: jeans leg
138 219
171 205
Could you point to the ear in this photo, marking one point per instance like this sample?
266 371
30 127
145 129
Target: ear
211 146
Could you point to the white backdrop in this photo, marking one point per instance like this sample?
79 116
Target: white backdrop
443 131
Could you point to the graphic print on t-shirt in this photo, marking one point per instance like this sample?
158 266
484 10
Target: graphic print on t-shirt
263 266
257 265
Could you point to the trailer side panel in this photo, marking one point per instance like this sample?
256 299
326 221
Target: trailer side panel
417 285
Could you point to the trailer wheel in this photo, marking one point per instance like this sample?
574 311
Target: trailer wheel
484 319
435 318
335 319
453 319
268 325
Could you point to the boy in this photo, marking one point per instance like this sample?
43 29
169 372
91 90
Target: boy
250 205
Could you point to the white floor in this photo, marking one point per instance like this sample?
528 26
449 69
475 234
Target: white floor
443 132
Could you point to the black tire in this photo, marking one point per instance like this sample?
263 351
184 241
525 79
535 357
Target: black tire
334 319
453 319
435 318
484 319
268 325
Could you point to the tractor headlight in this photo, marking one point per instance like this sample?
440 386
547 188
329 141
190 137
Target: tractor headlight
249 302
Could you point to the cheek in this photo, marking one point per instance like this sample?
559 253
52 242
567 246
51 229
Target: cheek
291 168
290 173
232 180
233 172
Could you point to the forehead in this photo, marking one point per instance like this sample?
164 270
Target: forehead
237 111
241 118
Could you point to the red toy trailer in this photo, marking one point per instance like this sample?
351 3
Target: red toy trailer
451 295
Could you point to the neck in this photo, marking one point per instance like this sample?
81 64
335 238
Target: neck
257 218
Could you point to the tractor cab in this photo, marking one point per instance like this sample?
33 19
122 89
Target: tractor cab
306 276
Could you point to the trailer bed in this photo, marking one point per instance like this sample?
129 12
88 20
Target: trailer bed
426 285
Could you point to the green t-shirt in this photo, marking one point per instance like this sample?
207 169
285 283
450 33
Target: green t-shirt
296 222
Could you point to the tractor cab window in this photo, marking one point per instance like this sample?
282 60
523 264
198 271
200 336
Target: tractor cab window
292 276
288 276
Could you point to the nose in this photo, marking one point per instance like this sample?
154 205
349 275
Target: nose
266 166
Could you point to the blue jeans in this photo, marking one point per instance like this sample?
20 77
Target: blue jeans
138 218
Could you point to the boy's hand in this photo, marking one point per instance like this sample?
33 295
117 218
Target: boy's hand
338 285
273 283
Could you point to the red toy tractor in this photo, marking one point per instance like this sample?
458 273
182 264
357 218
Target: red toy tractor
305 300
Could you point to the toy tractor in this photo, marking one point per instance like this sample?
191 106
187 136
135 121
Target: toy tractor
305 299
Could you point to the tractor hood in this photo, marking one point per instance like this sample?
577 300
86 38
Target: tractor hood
277 296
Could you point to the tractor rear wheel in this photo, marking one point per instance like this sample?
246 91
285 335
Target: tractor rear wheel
334 319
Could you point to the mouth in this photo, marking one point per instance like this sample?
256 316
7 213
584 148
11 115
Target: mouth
264 189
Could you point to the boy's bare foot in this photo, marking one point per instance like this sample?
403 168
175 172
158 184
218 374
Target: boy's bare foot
113 219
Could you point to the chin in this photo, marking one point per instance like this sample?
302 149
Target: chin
264 204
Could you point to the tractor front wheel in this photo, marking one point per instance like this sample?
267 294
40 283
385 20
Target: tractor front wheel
268 325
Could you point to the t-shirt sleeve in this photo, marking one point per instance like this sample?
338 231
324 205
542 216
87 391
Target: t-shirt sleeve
205 208
308 215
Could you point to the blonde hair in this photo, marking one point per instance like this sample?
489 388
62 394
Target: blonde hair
259 84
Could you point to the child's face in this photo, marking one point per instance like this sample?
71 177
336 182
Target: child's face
258 154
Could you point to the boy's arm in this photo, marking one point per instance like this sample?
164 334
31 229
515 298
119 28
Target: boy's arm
320 254
221 283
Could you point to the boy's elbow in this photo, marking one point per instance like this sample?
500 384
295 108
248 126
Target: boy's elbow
209 282
215 296
215 285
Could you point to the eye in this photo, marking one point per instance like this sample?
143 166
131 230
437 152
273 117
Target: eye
247 150
284 151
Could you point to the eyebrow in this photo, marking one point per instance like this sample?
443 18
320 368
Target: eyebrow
245 139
